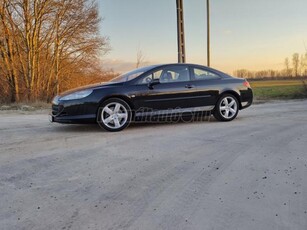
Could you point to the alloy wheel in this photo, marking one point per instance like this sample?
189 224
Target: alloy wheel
114 115
228 107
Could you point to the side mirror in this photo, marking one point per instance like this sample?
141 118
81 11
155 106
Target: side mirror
153 82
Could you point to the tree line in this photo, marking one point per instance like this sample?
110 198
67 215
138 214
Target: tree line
296 66
48 46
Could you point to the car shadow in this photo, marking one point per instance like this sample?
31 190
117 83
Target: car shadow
79 128
138 125
91 128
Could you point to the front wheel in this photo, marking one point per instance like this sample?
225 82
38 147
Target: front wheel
226 108
114 115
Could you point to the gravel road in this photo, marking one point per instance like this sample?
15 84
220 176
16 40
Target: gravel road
250 173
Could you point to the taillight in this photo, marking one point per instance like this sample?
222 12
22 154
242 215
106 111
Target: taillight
246 84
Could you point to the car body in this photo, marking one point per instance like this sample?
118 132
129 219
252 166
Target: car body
157 88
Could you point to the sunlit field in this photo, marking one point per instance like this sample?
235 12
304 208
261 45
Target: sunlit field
279 89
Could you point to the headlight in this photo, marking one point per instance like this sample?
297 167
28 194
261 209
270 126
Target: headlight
55 100
77 95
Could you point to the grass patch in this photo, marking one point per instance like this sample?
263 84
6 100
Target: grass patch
279 89
32 106
270 83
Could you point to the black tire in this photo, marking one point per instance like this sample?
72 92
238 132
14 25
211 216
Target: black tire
110 119
226 111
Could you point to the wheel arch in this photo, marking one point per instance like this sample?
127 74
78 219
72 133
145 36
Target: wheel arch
233 93
122 97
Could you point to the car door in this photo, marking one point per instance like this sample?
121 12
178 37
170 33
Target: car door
174 89
207 85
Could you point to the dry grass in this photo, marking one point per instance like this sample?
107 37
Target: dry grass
33 106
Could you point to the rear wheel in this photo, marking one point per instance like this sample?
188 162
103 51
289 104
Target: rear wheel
226 108
114 115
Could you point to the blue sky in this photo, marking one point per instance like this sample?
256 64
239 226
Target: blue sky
248 34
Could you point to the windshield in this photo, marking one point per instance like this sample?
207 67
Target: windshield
131 75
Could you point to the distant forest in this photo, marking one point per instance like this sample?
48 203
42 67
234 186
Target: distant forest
296 66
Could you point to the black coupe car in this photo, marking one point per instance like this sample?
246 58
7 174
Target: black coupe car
152 90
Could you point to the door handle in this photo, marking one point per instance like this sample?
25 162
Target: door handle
190 86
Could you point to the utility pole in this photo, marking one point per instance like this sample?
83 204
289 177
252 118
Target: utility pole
180 32
208 33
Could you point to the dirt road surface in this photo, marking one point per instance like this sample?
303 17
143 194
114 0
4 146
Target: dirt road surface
250 173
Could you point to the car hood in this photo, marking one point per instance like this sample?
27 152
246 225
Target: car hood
92 86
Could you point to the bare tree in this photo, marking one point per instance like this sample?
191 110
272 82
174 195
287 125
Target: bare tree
8 62
287 67
140 58
295 63
243 73
303 64
44 42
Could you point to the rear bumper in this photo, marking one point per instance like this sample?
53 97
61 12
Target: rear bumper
246 98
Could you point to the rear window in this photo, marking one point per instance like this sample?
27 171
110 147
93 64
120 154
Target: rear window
203 74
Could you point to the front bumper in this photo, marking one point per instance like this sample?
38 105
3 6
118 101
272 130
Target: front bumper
50 117
73 113
77 119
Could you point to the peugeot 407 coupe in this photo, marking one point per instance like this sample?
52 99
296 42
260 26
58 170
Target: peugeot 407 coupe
155 89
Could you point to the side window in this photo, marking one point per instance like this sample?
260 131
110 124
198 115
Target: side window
157 74
168 75
150 77
202 74
175 74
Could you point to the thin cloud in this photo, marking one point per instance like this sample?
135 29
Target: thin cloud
121 66
227 32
